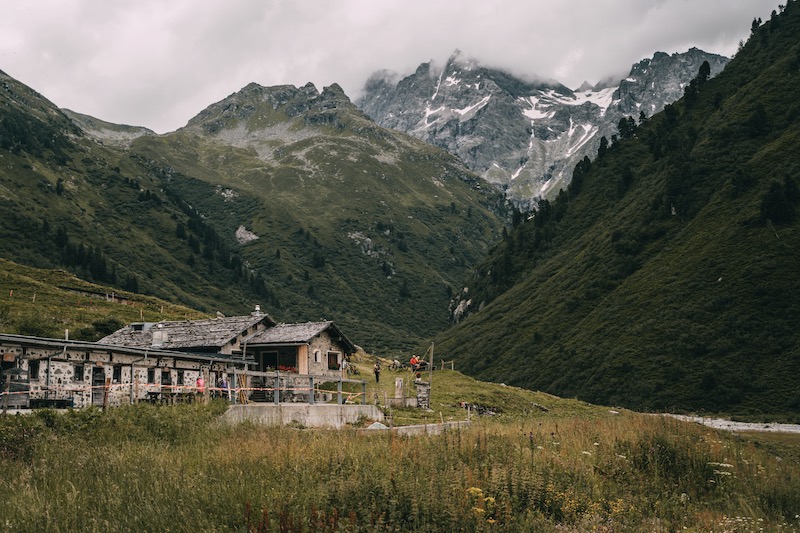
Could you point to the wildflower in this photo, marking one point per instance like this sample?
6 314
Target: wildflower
721 465
475 492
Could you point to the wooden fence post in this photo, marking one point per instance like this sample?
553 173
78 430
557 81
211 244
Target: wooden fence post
235 385
107 390
6 393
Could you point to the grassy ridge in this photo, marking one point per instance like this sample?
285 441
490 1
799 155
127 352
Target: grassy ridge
150 468
44 303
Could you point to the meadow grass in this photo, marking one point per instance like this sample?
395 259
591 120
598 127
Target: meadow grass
175 468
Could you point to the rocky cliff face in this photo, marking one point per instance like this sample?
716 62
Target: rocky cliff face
522 136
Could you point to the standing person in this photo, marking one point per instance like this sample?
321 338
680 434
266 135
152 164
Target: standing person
377 370
200 385
222 385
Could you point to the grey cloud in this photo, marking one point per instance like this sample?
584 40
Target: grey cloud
157 64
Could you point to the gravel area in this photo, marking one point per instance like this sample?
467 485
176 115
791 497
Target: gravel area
729 425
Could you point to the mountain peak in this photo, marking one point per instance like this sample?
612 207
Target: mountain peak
334 90
524 136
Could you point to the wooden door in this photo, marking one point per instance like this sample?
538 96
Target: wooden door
98 385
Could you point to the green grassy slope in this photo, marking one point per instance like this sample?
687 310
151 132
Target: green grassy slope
610 295
67 201
52 303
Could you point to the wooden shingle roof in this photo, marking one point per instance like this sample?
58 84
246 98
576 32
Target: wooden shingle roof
298 334
45 347
186 334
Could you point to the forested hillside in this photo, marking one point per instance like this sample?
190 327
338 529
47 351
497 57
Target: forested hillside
281 197
666 276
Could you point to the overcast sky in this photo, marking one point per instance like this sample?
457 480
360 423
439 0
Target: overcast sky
158 63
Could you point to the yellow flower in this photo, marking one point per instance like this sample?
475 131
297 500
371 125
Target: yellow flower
475 492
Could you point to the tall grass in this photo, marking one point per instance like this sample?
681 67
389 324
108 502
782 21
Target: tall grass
148 468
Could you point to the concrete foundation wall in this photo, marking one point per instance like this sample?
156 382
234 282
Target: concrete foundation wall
317 415
431 429
421 429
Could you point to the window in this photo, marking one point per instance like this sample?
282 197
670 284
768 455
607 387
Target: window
117 374
333 360
317 356
33 370
180 377
78 371
151 375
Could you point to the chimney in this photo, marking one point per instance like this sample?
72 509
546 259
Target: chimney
159 335
257 312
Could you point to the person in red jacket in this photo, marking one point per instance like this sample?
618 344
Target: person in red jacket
200 386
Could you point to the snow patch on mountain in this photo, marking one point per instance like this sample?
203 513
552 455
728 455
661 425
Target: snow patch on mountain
535 112
588 132
474 107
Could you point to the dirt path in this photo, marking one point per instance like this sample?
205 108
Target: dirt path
719 423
